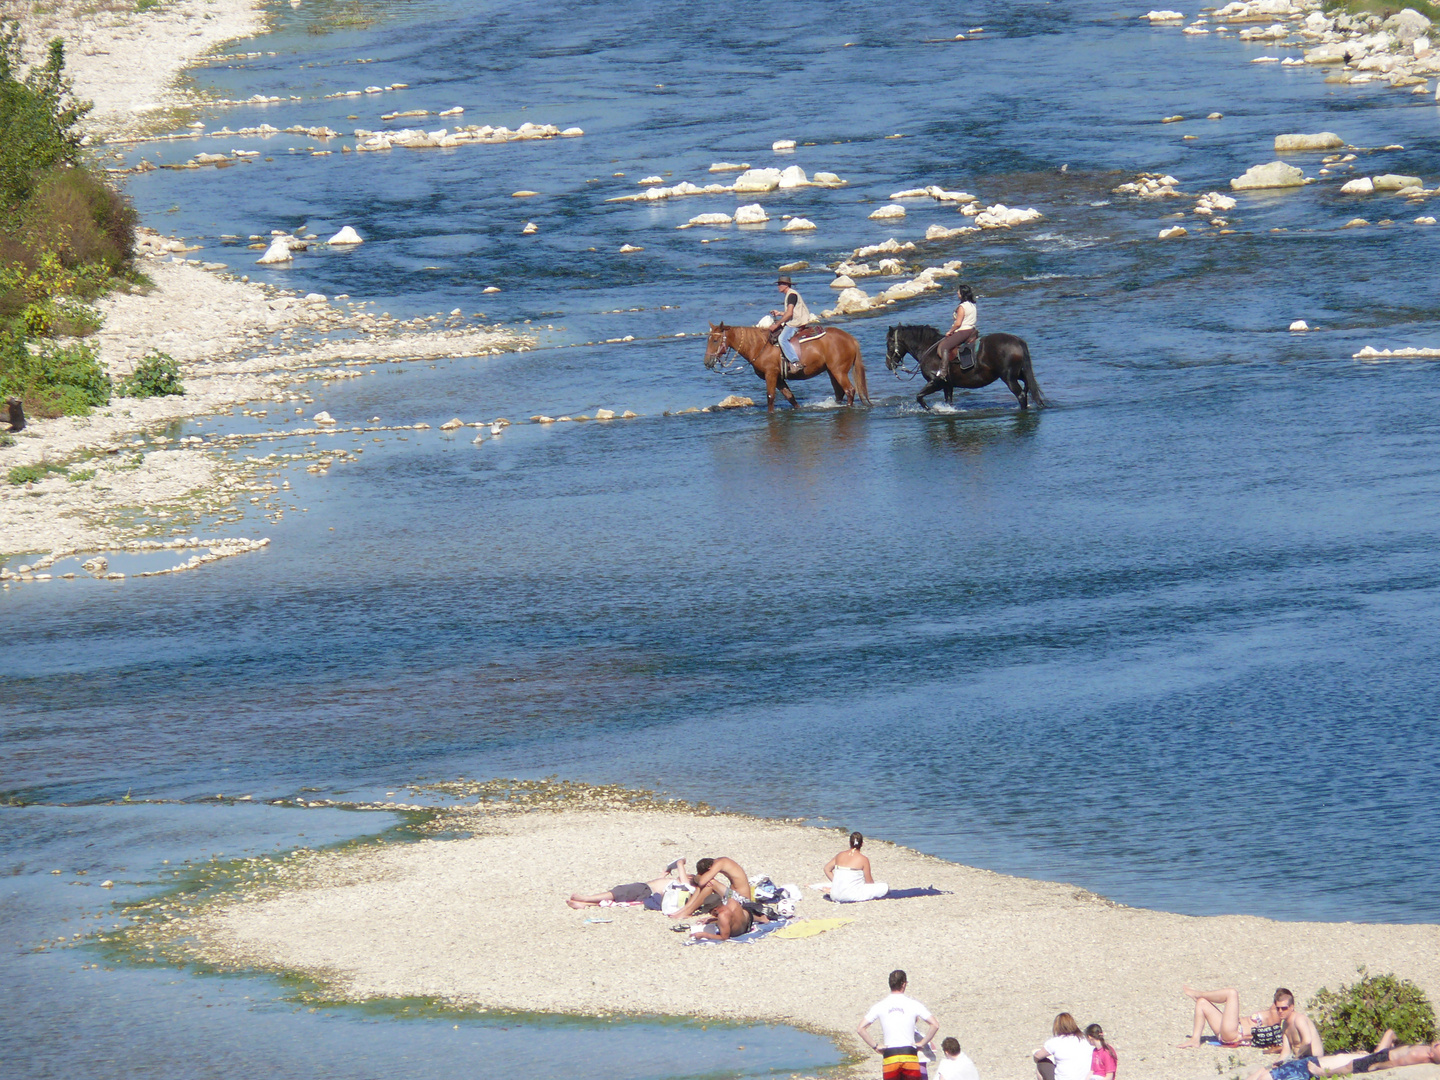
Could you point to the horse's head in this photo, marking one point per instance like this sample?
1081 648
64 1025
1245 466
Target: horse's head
894 349
717 344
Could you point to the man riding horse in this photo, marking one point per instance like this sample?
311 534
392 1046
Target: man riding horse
794 316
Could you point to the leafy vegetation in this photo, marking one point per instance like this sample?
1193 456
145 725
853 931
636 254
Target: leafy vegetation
66 237
1383 8
1354 1017
25 474
154 376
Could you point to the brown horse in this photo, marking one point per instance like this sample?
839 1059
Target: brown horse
836 353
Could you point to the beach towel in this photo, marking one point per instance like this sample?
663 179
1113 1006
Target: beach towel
900 894
763 930
810 927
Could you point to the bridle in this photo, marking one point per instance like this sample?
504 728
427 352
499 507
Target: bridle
725 359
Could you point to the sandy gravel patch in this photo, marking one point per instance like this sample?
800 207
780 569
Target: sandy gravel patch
126 61
482 922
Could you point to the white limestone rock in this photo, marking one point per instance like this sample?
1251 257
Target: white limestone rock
782 144
322 417
1394 181
1001 216
571 133
451 424
530 229
1299 325
626 249
891 210
793 177
728 166
707 219
1407 25
1361 185
1173 233
851 301
751 214
277 252
844 281
940 232
798 224
1163 16
1322 140
652 180
347 235
1275 174
734 401
826 179
757 180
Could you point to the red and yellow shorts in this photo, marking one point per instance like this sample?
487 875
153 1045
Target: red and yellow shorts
902 1063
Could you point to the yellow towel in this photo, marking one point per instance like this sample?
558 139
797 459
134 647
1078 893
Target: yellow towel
810 927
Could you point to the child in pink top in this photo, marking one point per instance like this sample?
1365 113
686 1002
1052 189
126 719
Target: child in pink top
1104 1060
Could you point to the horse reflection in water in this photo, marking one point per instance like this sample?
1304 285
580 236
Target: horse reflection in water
997 356
835 352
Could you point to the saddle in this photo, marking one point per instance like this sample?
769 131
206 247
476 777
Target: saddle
809 333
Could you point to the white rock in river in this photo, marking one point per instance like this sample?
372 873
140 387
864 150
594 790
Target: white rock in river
893 210
751 214
571 133
323 417
844 281
1394 182
826 179
452 424
851 301
707 219
1361 185
794 177
1174 232
1276 174
1299 325
347 235
758 180
1322 140
530 229
1163 16
627 249
798 224
783 144
278 252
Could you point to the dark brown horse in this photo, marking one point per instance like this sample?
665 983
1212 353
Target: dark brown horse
997 356
836 353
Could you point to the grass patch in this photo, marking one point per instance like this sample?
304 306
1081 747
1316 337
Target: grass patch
81 476
1381 8
27 474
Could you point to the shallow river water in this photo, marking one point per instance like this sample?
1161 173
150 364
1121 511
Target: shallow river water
1165 640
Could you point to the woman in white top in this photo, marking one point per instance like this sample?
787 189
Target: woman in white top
1065 1056
963 331
849 873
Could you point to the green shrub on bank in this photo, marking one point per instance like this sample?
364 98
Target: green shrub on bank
40 116
26 474
156 375
1383 8
52 380
1354 1017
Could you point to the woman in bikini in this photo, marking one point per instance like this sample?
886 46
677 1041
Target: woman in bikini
1220 1011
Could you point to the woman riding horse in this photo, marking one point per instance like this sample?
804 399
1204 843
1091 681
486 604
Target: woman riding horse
997 356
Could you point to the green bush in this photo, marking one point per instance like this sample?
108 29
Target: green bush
25 474
1354 1017
40 117
52 381
154 376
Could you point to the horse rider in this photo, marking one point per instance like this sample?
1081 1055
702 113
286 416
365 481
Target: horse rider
961 334
791 319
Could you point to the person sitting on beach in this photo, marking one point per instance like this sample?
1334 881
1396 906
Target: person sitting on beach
956 1065
849 873
899 1015
635 892
1300 1031
1220 1011
706 870
1386 1055
1103 1059
1067 1054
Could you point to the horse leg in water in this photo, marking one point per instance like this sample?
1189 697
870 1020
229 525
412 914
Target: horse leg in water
789 395
1016 387
931 387
835 386
770 380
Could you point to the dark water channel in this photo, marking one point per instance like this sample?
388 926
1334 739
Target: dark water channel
1156 640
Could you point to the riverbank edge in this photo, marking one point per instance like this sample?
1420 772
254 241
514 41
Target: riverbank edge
1000 963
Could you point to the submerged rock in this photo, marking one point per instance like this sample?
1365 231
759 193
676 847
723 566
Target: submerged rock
1276 174
1322 140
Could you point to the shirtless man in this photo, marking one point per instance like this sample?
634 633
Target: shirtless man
706 870
732 918
1386 1055
1300 1031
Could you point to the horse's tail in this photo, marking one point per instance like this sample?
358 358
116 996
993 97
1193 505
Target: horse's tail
857 374
1029 373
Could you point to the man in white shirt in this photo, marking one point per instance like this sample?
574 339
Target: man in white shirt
900 1018
956 1065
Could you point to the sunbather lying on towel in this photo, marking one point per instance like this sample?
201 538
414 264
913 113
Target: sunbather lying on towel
637 891
732 918
1386 1055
